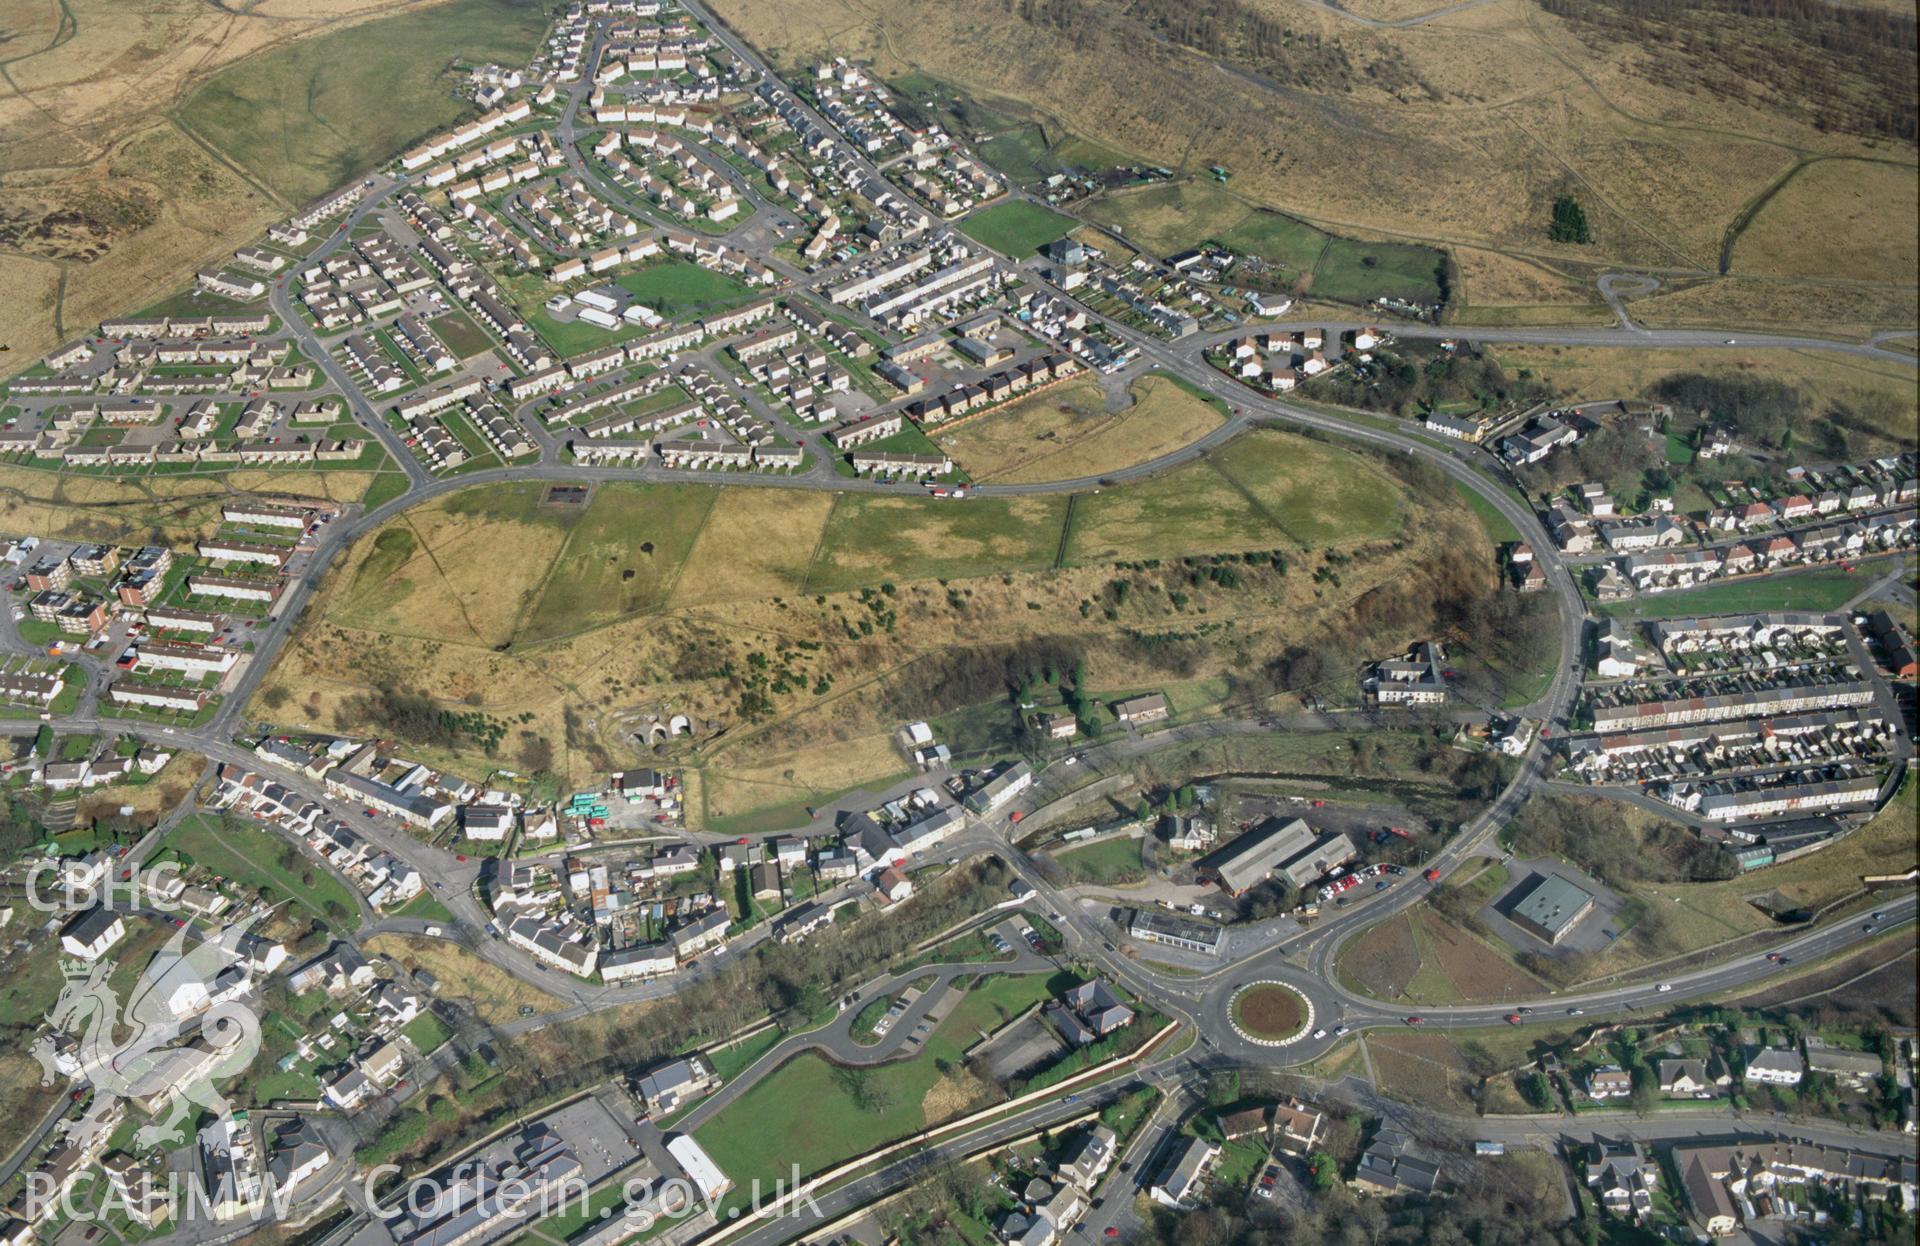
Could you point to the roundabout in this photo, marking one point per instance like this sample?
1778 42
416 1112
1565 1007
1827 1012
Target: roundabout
1270 1013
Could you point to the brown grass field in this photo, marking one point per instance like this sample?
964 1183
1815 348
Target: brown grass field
100 508
491 602
495 994
1080 430
1878 980
1836 218
1460 131
1423 959
1424 1069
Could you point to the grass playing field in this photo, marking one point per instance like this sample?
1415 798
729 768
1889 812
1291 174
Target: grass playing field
1016 228
679 288
816 1114
1818 590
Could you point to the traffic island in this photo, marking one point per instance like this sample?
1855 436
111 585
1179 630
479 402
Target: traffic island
1271 1014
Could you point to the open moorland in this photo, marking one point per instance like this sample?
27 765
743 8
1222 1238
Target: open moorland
1694 144
797 658
146 139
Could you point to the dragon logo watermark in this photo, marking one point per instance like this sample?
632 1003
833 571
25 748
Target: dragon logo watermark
185 1026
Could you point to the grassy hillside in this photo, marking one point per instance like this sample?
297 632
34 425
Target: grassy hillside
1460 132
307 117
800 628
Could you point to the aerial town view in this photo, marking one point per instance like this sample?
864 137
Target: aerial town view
756 622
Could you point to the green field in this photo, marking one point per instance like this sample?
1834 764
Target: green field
623 555
1278 239
313 115
1016 228
1261 490
1111 861
251 865
1357 271
1820 590
1317 493
1024 154
1500 529
678 288
869 539
1177 215
811 1114
463 337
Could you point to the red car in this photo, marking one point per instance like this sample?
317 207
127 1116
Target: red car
1513 1018
1416 1020
1432 876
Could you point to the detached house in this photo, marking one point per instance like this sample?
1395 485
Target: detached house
92 933
1089 1012
1775 1066
1622 1178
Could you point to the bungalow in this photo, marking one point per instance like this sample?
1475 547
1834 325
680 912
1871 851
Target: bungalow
1853 1069
131 692
1609 1082
642 960
1246 1124
998 790
797 923
1684 1077
1138 711
1776 1066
